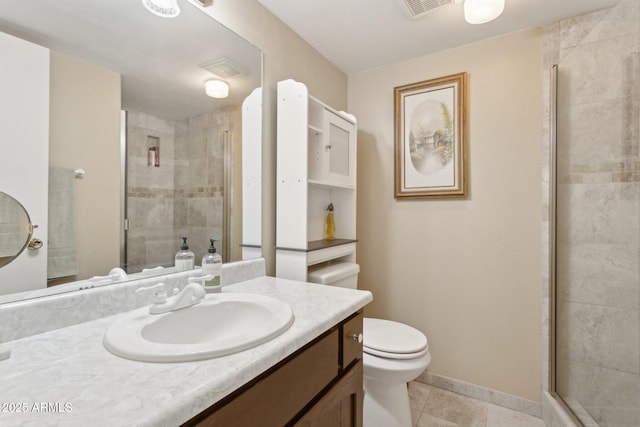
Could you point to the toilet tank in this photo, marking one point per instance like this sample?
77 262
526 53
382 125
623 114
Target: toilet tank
343 274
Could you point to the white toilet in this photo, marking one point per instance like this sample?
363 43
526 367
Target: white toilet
394 354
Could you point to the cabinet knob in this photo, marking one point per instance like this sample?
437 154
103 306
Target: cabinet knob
357 337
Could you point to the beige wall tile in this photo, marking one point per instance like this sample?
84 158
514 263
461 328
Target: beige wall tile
598 273
575 30
611 397
601 336
624 19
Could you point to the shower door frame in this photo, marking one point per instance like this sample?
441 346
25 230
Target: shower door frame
552 230
553 130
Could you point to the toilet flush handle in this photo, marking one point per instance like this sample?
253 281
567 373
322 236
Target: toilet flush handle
357 337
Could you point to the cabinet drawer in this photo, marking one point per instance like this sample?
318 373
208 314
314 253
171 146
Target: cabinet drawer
352 340
273 399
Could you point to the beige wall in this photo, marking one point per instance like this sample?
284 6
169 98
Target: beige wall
466 272
85 133
286 56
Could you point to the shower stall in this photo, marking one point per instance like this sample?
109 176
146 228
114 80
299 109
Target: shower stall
179 183
595 220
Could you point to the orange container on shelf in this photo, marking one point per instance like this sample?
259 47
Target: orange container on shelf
330 225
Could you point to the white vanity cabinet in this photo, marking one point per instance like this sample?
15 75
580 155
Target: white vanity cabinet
316 166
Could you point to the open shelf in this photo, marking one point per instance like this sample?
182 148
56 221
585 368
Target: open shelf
316 166
329 185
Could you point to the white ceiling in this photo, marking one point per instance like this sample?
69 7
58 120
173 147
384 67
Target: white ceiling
358 35
157 58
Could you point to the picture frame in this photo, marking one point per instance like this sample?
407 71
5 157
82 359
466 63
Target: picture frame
430 138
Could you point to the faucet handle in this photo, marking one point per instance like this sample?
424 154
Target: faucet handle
110 278
115 275
155 270
160 295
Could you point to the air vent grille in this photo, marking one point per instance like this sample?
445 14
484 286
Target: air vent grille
224 68
420 7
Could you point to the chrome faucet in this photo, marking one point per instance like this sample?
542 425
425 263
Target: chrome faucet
190 295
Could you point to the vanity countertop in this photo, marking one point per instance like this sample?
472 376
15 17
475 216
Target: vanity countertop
67 377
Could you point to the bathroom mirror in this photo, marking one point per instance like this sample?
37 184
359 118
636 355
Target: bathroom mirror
162 183
15 228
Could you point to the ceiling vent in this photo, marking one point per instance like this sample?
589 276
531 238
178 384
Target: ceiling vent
224 68
418 8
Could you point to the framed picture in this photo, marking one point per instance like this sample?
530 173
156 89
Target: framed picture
429 120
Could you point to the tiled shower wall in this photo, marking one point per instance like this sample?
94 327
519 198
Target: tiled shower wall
181 197
150 193
598 213
199 178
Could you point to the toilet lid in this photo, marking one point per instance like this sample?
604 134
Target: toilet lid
387 336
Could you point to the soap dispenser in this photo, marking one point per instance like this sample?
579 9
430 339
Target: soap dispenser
184 258
212 266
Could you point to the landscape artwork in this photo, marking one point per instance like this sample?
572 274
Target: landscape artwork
429 140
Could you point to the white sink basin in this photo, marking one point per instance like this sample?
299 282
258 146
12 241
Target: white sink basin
219 325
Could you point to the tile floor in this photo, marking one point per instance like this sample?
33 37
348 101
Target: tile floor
435 407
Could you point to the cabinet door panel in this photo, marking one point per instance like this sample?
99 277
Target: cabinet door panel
352 340
339 155
275 399
340 140
341 406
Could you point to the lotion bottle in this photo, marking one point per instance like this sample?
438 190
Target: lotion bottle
184 258
330 225
212 265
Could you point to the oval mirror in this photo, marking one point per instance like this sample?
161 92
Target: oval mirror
15 228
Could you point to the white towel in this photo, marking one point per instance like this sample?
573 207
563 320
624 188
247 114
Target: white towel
62 259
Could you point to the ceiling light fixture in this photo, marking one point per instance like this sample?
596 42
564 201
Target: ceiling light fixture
216 88
164 8
482 11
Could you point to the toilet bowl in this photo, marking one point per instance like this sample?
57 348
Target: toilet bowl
393 355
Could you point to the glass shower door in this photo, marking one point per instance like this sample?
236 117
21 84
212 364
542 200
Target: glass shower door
597 230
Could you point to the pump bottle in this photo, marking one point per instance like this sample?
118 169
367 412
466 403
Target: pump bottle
184 258
212 265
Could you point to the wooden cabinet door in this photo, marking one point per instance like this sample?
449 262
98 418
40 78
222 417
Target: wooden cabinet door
341 405
273 400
